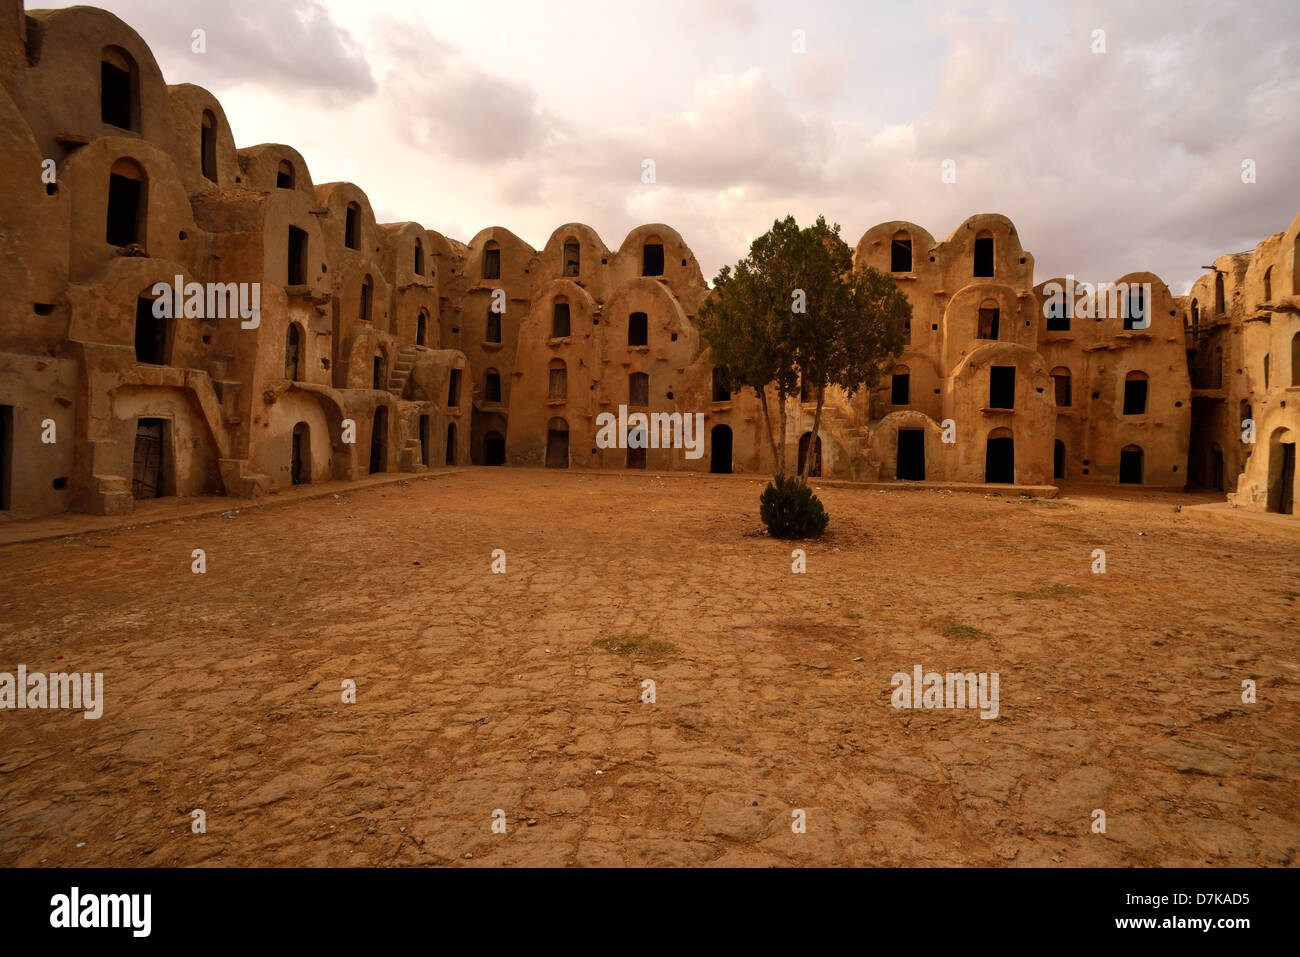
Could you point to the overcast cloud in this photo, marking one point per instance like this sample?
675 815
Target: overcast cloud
532 115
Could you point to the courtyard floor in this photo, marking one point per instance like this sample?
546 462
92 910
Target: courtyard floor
521 692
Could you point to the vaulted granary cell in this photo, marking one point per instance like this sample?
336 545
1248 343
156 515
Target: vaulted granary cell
128 197
815 466
652 259
989 317
119 96
910 465
1130 465
557 444
150 333
900 252
150 460
720 440
300 455
208 145
638 333
379 441
560 318
900 388
1000 458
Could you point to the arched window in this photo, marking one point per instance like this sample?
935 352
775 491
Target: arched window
652 258
560 318
1058 459
128 203
1061 380
900 252
292 348
1135 393
492 330
900 389
984 258
119 86
1130 465
419 258
557 384
1218 294
572 257
284 175
492 386
208 145
815 465
1196 317
381 372
721 384
491 260
638 331
1268 284
367 293
352 227
421 328
638 389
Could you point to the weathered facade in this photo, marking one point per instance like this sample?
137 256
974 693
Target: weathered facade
310 343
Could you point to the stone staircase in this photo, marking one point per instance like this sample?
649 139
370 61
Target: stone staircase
402 370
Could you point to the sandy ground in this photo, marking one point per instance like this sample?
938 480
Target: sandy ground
479 692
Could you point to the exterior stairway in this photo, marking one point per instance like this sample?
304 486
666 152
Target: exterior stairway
402 370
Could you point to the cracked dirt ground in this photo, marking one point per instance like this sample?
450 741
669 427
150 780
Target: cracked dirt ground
521 692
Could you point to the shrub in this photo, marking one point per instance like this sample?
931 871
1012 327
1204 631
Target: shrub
789 509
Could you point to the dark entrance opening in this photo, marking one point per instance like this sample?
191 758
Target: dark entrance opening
636 458
297 274
988 322
150 334
1000 460
1002 387
637 329
115 95
652 260
6 455
720 457
426 439
147 472
557 445
451 444
984 256
900 255
124 194
911 455
494 449
1058 459
300 459
1286 480
815 467
900 388
379 441
1216 468
1130 465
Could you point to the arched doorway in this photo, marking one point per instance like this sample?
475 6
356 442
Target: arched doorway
720 445
557 444
910 465
379 441
494 449
1281 472
815 467
300 455
1130 465
1000 458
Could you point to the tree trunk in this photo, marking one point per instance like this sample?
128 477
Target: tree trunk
780 438
812 441
767 422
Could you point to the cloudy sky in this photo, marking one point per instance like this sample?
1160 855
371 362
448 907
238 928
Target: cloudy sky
530 115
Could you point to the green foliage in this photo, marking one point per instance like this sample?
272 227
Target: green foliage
789 509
